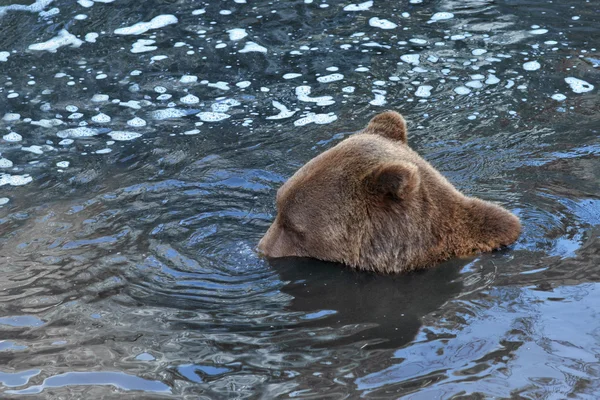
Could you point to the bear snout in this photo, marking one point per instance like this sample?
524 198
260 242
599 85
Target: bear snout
275 243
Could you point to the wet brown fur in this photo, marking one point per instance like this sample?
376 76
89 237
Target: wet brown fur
374 204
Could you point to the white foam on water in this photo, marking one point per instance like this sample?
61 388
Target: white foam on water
131 104
531 66
124 135
538 31
382 23
224 105
253 47
412 59
348 89
143 46
99 98
33 149
474 84
209 116
359 7
4 200
63 164
492 79
11 117
291 75
440 16
5 163
303 93
237 34
559 97
187 79
36 7
284 112
142 27
579 85
15 180
313 118
478 52
91 37
74 133
219 85
330 78
168 113
423 91
462 90
63 38
243 84
379 99
136 122
101 118
4 56
47 123
12 137
189 99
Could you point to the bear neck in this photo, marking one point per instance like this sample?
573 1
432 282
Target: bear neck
484 227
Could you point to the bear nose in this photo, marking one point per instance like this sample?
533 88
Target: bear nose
273 243
261 247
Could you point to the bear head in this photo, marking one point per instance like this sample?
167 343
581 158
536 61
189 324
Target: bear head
373 203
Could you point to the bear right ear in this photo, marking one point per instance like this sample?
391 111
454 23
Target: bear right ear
397 180
388 124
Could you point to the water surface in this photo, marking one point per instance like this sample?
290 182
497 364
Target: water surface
141 147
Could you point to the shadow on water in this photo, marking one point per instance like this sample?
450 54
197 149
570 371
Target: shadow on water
377 311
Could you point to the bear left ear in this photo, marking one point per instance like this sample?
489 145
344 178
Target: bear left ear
388 124
397 180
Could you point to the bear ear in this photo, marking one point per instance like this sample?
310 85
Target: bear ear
395 180
389 124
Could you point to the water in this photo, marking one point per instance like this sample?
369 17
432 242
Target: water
143 143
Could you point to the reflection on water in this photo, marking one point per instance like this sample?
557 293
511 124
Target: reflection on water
141 144
365 310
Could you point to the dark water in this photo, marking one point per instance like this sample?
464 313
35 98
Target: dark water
127 245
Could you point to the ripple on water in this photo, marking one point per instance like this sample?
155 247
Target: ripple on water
129 228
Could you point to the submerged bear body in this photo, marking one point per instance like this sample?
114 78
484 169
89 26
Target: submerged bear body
373 203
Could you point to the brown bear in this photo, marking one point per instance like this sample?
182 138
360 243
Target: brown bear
373 203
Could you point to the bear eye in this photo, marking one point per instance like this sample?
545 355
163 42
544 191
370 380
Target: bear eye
295 230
